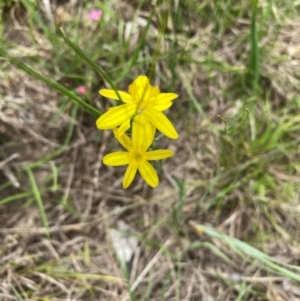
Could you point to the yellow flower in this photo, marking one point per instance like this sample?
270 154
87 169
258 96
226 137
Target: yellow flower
142 99
137 156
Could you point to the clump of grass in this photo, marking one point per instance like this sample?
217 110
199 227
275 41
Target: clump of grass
236 165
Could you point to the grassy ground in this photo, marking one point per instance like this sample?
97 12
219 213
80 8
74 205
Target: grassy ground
223 223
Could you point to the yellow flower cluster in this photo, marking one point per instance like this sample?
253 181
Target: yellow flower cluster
142 111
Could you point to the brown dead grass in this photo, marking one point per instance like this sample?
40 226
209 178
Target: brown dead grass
165 262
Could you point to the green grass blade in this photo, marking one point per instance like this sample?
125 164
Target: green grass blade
18 296
51 83
4 185
89 61
254 53
38 199
242 249
15 197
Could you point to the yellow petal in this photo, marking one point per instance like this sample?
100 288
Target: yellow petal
163 106
164 101
115 116
129 175
124 140
161 122
141 90
122 129
163 97
149 174
159 154
116 159
125 97
142 133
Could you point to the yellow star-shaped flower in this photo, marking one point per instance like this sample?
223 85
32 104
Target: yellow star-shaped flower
142 99
137 156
